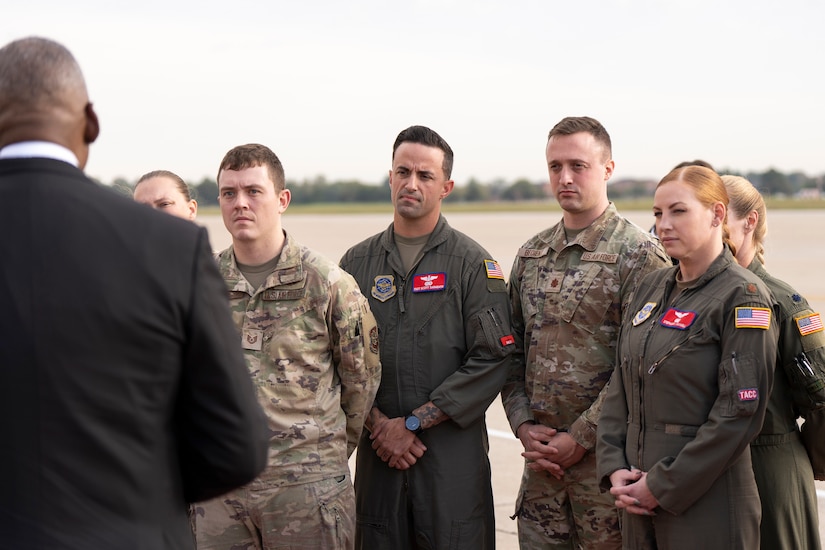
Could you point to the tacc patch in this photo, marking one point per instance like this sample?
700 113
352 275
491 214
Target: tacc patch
748 394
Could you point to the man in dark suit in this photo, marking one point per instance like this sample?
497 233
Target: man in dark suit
123 389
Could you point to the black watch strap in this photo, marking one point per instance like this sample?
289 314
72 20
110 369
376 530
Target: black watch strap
413 423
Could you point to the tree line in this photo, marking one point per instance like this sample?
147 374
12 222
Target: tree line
770 183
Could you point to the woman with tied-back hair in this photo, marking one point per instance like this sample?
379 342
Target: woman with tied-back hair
694 365
781 465
165 190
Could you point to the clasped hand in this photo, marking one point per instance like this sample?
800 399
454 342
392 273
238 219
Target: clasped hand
547 449
395 444
631 492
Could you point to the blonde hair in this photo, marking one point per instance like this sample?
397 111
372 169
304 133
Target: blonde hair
708 188
182 186
744 198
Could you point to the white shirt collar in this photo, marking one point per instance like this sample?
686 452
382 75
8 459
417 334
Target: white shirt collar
38 149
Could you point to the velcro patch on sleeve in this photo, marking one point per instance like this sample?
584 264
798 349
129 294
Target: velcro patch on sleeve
809 324
753 317
493 269
749 394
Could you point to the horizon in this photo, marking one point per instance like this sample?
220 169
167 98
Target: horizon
329 85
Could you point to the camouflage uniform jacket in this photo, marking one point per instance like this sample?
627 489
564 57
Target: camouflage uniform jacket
567 301
311 346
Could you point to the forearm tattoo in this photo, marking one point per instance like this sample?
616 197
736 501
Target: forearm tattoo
430 415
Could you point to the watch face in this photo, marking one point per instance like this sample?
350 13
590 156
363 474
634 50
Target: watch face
412 423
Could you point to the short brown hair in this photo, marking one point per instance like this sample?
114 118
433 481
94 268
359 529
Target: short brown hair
252 155
575 124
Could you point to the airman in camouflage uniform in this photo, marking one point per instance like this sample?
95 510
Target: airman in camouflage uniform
311 346
568 287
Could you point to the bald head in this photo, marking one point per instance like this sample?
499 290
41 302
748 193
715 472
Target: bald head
43 96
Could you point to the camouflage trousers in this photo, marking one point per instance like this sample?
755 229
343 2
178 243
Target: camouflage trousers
571 513
318 515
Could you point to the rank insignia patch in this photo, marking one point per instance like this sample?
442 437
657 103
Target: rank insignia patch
252 339
429 282
555 280
384 288
642 315
493 269
809 324
674 318
753 317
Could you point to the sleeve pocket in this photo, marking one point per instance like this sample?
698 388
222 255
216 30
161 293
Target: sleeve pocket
497 331
738 386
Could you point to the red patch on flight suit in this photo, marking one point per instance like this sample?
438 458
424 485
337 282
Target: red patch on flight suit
429 282
507 340
674 318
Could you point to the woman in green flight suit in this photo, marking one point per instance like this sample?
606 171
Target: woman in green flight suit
694 366
780 463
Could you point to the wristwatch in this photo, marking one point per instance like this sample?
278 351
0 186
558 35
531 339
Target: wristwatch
413 423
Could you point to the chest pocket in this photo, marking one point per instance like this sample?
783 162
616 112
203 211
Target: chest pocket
584 300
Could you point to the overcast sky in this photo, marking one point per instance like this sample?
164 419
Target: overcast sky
329 84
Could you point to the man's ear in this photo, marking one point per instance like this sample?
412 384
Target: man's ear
448 188
608 169
92 129
284 198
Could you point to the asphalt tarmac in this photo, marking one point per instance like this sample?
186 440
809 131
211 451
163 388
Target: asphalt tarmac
794 253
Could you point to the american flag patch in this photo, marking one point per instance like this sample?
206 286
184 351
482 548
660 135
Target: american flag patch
753 317
493 269
809 324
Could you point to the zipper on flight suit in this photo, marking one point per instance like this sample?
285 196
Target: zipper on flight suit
658 362
401 306
640 450
402 309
